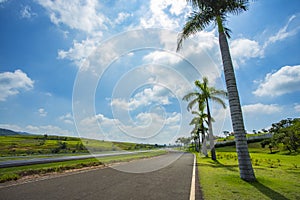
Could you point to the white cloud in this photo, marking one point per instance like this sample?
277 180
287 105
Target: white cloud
3 1
48 94
77 14
261 109
97 126
200 53
12 127
146 128
243 49
148 125
47 129
145 119
122 16
173 79
177 7
173 119
80 51
285 80
12 83
162 57
297 107
148 96
27 13
204 53
163 14
283 33
42 112
67 118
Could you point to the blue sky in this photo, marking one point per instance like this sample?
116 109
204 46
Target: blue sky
109 69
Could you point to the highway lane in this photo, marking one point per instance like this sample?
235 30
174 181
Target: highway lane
17 163
172 180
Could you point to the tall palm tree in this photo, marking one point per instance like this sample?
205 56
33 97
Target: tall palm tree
202 97
206 12
199 120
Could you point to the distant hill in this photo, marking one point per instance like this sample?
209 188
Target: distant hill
14 143
4 132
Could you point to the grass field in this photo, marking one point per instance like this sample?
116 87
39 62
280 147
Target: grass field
23 145
278 175
14 173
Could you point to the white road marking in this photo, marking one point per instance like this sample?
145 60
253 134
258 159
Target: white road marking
193 185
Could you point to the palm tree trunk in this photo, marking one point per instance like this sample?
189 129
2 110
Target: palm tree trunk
203 148
245 165
199 143
210 134
194 145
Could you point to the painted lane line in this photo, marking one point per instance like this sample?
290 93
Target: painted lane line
192 192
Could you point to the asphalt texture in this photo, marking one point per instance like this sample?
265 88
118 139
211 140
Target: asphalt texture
172 181
17 163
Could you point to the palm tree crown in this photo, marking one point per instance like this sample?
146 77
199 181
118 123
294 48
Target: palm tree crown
208 11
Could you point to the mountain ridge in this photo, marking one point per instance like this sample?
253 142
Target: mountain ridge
7 132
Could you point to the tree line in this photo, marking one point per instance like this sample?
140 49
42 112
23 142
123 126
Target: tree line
286 135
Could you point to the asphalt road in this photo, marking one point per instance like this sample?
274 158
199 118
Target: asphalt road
172 180
17 163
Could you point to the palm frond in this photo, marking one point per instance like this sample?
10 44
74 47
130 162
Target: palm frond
194 3
191 104
198 21
195 122
216 92
227 32
235 7
195 113
219 101
188 96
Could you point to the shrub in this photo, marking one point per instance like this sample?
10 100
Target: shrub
8 177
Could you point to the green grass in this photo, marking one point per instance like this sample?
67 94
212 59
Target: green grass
248 135
278 175
14 173
23 145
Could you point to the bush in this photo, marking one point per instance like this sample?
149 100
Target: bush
8 177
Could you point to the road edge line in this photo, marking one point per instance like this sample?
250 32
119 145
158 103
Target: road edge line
193 185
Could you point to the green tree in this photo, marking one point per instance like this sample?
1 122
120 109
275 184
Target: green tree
215 11
202 97
185 141
287 133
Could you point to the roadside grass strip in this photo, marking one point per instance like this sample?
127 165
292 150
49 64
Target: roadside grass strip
278 176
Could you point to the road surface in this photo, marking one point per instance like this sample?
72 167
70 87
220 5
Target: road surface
168 182
17 163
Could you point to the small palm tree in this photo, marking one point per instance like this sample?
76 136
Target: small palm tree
216 11
199 120
202 97
195 138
